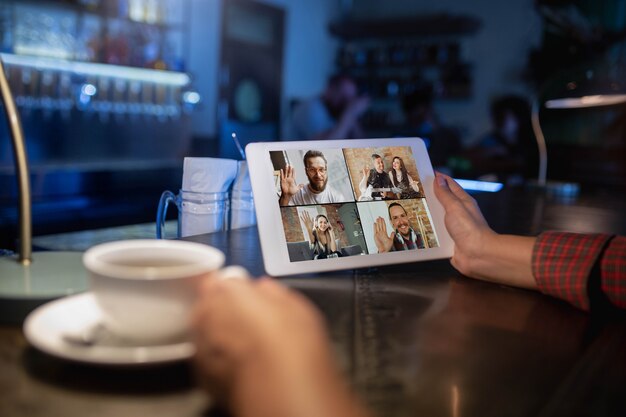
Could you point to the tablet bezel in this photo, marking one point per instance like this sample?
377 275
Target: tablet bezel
271 231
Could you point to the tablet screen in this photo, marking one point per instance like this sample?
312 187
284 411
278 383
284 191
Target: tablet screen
343 202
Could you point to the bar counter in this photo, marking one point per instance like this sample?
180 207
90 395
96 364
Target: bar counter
413 339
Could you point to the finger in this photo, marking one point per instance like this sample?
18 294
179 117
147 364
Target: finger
456 189
219 314
217 293
270 286
451 194
292 300
282 175
276 292
216 382
443 192
214 369
383 226
234 272
467 200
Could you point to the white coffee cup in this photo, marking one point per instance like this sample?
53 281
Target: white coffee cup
146 288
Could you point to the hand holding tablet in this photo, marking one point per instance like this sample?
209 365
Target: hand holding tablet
356 197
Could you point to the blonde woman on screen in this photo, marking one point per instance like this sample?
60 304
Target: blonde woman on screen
321 236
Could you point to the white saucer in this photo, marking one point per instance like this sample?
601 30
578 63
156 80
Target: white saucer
46 327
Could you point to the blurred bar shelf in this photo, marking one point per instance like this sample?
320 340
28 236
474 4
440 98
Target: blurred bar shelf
423 25
173 78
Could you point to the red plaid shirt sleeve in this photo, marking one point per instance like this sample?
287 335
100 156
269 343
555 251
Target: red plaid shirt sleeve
562 264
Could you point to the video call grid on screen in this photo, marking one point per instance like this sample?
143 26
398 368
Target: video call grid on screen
361 206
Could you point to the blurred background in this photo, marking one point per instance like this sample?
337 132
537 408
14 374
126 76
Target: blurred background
114 93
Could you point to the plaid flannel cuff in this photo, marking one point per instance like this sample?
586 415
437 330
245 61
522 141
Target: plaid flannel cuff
562 263
614 271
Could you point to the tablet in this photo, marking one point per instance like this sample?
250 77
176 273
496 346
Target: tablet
344 204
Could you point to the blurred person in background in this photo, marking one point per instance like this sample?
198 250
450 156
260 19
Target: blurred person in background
332 115
443 142
508 153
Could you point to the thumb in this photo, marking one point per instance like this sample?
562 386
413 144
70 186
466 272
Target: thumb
443 192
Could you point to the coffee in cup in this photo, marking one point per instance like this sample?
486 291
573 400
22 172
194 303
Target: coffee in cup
146 288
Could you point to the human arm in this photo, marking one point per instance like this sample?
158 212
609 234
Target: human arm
384 242
480 252
413 184
332 244
387 183
357 131
288 185
262 350
391 174
579 268
363 183
587 270
348 123
306 219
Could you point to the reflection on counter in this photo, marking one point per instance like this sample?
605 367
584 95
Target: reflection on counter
83 240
